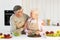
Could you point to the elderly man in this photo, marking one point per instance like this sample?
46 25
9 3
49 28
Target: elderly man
33 25
18 19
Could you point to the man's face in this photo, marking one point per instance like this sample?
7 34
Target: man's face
34 15
19 12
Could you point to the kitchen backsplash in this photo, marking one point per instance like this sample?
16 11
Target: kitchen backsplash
50 22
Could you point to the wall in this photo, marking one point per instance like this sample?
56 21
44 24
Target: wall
6 5
47 9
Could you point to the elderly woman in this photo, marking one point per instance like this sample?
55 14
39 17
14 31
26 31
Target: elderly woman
18 19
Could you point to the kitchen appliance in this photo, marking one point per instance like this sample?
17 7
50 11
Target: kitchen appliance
7 14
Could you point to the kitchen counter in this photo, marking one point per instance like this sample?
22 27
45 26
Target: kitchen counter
24 37
50 28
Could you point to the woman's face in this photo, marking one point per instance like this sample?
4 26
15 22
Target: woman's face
19 12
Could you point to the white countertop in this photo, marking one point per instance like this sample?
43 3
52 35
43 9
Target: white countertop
45 28
24 37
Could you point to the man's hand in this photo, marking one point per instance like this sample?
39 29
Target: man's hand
43 23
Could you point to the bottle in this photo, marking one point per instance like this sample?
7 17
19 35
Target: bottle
48 22
57 24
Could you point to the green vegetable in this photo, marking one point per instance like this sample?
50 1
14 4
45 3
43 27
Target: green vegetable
31 35
16 34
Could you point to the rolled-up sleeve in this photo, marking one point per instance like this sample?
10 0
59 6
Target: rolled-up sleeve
12 24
